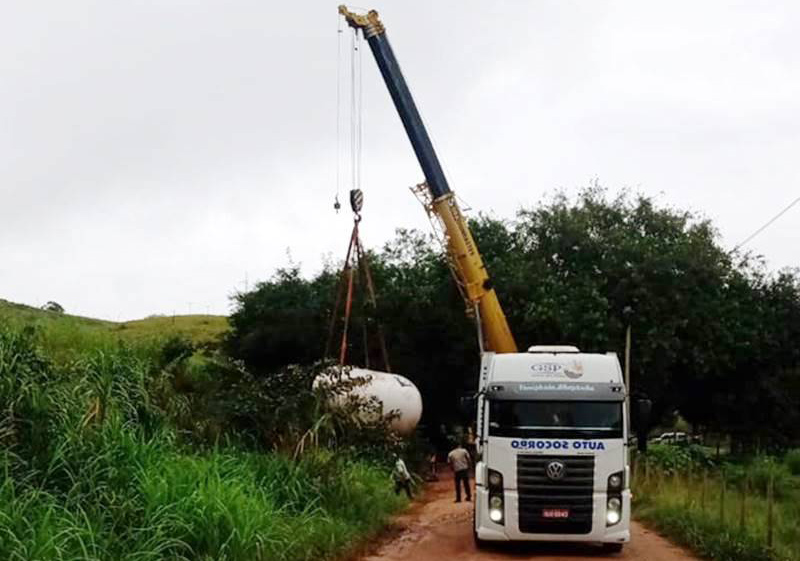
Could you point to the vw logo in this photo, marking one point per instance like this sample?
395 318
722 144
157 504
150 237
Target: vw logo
555 470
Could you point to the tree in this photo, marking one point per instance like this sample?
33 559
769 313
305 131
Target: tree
53 307
714 338
282 321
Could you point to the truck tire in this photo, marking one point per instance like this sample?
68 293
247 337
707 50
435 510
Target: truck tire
612 547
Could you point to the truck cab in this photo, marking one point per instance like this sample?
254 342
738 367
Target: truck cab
553 457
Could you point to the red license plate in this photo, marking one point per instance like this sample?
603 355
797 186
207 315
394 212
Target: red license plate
555 513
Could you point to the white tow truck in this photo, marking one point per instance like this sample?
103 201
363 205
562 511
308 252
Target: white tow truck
553 432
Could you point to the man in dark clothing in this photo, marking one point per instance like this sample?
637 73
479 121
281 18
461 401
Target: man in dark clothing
459 460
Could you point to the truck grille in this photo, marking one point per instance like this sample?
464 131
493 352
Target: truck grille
538 492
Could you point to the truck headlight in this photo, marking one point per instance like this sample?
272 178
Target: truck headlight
615 481
496 508
495 480
613 511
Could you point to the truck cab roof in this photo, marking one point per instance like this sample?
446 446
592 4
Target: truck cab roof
566 367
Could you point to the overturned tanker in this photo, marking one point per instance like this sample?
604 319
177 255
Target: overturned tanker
397 396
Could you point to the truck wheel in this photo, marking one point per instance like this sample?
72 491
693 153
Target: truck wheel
612 547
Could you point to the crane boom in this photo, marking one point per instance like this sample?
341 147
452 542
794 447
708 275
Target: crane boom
463 252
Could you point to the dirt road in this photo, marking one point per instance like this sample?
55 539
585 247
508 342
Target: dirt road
437 529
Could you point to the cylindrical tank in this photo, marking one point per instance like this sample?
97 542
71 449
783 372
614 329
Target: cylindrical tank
395 393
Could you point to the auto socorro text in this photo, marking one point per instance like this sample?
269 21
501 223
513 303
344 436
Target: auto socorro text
557 445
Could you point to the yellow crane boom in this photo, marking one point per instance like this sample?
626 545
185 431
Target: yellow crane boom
464 256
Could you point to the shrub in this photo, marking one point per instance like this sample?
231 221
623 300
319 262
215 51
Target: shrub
792 461
763 468
677 459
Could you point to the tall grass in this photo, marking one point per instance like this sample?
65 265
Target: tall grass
688 505
93 466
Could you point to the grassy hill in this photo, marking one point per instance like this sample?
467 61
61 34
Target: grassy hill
66 329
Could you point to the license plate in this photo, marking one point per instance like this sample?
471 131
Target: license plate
555 513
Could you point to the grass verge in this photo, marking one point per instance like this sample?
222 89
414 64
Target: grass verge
94 466
695 511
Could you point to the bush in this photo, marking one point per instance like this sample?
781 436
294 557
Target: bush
760 471
792 461
677 459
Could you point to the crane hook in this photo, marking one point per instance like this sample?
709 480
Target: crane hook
356 203
356 200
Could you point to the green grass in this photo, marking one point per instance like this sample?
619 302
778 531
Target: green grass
94 467
680 505
65 334
167 504
201 329
21 313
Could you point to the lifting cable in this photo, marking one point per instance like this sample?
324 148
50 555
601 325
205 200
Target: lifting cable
339 31
356 270
356 128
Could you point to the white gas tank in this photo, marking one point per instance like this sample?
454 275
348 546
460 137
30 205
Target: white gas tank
395 393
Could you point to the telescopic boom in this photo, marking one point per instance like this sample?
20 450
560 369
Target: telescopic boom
464 255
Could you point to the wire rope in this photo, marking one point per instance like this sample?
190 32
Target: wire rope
353 108
767 225
360 114
339 32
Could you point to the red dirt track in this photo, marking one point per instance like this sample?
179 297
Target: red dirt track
435 528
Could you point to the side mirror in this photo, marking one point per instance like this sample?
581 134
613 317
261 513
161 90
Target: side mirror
468 406
643 409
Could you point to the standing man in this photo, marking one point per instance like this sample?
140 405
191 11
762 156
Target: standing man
459 460
402 479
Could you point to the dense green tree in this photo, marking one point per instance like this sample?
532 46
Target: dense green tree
714 335
282 321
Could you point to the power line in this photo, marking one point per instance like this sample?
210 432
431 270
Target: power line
769 223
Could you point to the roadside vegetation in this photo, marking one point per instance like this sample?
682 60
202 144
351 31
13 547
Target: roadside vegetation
73 332
725 510
124 451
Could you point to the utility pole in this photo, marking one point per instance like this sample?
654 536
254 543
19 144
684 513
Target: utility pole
628 358
627 312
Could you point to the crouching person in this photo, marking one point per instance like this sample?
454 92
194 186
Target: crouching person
402 479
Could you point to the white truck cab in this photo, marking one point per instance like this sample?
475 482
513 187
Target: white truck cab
553 456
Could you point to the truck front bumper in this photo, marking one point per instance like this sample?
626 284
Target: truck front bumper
509 530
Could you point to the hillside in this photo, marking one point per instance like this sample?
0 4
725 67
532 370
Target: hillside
202 329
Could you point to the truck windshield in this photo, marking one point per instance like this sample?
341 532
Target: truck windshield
554 419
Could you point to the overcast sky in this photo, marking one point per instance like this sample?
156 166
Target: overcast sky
154 155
